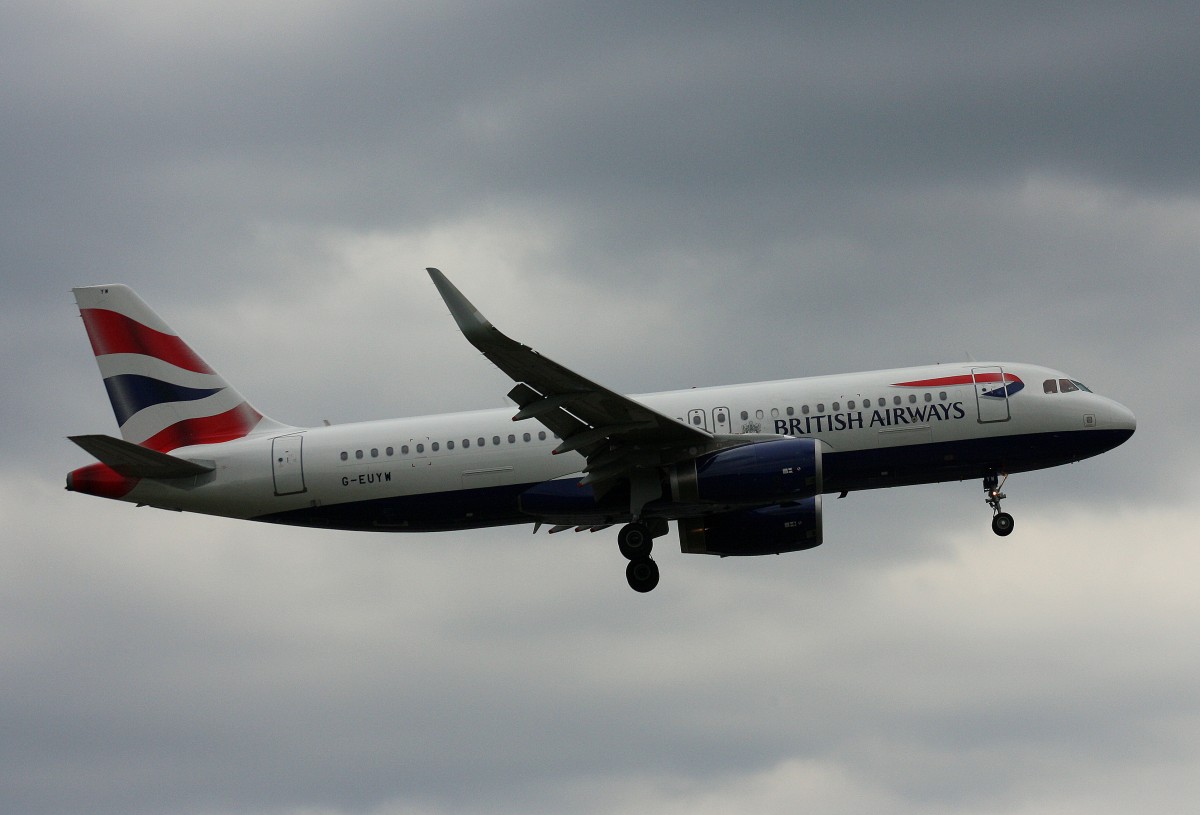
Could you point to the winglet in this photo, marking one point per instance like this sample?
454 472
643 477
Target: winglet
470 321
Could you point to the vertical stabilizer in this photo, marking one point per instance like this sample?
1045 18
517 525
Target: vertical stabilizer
163 394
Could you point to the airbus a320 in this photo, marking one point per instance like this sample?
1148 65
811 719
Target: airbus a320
740 469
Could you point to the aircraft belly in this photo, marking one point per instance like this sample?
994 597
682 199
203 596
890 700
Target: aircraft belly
423 512
965 458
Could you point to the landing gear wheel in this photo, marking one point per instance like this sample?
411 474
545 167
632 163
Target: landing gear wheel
1002 522
642 575
635 542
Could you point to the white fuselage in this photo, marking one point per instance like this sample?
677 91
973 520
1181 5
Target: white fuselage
462 470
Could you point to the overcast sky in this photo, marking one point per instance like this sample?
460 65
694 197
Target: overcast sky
697 194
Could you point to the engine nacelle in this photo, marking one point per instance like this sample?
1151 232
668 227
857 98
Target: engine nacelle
762 531
776 471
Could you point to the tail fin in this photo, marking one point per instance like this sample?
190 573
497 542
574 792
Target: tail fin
163 394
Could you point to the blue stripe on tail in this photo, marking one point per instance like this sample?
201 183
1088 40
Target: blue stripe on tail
130 393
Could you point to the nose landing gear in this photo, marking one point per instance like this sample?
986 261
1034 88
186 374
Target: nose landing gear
1002 522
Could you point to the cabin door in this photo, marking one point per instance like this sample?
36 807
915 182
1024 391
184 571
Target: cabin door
287 463
991 394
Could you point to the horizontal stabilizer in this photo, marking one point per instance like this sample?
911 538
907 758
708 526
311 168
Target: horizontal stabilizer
134 461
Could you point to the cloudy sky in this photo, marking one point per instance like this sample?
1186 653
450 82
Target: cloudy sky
688 195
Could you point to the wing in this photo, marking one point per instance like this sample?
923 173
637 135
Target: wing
618 436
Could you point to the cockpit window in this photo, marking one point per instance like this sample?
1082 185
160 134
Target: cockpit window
1064 386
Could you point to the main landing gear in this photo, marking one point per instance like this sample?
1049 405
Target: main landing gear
1002 522
636 540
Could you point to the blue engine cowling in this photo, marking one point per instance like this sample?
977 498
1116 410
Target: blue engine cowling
767 472
762 531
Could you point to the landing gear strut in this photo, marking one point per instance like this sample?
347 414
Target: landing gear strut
636 540
1002 522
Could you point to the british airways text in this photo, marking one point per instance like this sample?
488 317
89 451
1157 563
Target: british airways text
858 419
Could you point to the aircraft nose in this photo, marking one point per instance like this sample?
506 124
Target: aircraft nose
1122 418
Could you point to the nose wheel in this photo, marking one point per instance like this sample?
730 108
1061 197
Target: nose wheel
1002 522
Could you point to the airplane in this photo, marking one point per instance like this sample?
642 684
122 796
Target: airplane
740 469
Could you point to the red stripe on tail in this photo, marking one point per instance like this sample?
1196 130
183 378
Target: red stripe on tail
232 424
113 333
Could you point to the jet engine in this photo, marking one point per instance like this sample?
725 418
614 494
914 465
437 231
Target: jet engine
763 531
777 471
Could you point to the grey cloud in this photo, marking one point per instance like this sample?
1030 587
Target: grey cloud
660 198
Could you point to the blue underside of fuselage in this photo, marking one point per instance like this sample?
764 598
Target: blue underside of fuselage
843 472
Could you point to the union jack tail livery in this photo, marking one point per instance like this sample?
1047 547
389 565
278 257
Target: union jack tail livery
163 394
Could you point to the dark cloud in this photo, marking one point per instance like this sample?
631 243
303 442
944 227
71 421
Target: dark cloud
660 198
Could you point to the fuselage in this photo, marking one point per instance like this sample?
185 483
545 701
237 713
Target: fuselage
461 470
